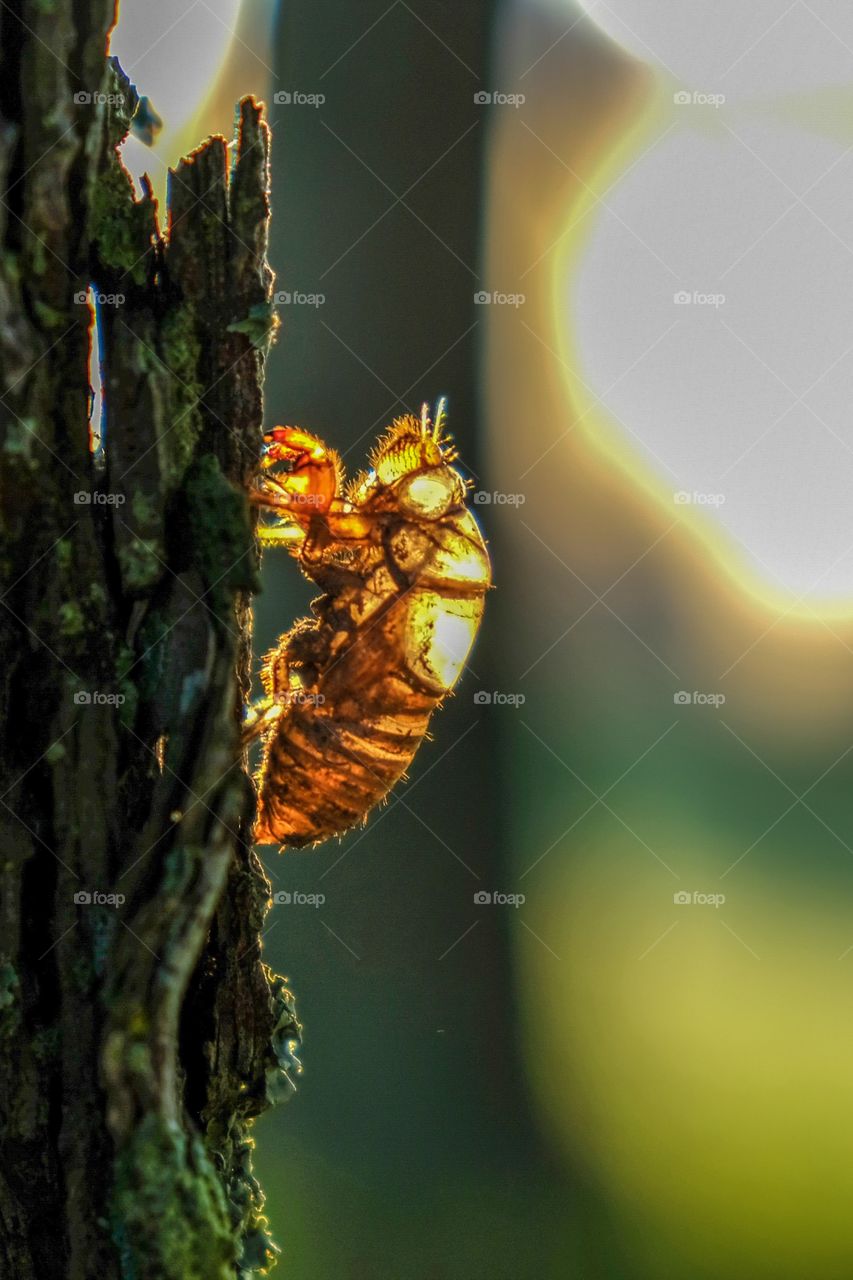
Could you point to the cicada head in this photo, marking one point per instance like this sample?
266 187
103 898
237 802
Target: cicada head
412 468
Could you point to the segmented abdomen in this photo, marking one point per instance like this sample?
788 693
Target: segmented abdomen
339 749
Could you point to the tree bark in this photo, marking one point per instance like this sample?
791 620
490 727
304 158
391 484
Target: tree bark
140 1031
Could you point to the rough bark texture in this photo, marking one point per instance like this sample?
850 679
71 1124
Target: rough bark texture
137 1041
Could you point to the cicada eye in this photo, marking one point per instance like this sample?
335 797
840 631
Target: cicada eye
429 494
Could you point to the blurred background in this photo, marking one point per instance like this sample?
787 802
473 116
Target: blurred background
618 236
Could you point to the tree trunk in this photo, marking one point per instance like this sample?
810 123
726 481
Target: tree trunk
140 1032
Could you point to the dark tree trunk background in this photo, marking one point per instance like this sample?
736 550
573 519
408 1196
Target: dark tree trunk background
137 1041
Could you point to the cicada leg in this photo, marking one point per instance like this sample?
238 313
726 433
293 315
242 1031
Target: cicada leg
353 527
311 484
276 535
316 533
279 686
260 717
306 496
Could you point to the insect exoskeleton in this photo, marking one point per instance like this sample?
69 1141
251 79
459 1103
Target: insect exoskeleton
404 572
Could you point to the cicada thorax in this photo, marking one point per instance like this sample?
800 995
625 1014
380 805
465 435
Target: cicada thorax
391 639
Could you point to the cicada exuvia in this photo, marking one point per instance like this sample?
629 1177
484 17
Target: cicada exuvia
404 571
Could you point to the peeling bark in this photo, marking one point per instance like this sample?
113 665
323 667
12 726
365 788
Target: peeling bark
138 1040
